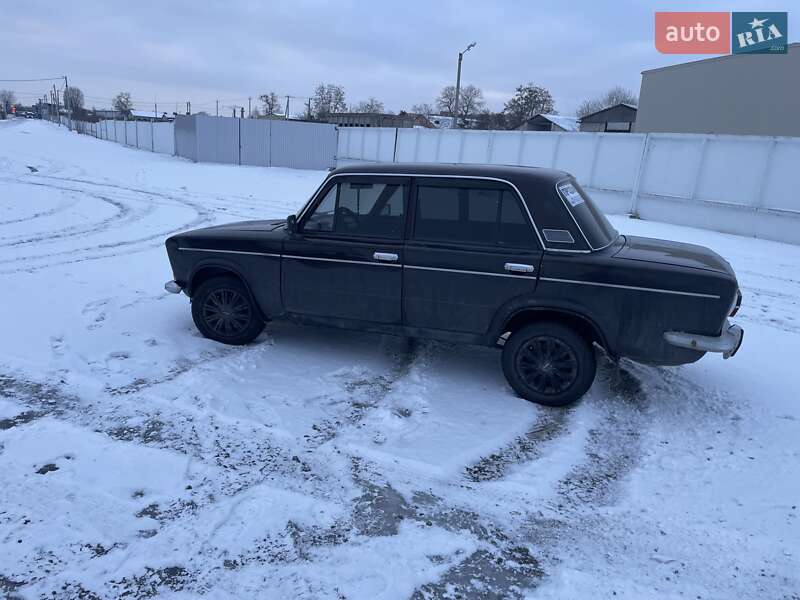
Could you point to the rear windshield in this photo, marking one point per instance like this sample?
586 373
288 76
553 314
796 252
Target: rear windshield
591 220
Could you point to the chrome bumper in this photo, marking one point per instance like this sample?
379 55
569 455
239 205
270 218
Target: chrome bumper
172 287
728 343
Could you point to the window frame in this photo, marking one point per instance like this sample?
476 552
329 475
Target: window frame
404 182
471 183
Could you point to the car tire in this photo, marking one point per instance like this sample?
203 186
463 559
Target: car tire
549 363
224 311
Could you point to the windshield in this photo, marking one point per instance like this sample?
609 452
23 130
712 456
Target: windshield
591 220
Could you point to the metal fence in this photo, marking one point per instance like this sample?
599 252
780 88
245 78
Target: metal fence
748 185
259 142
154 136
229 140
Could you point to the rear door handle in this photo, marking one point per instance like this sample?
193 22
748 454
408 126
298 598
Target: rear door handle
519 268
385 256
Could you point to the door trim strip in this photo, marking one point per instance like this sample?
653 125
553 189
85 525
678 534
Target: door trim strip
342 260
228 251
630 287
530 277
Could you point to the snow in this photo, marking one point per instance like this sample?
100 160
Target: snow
567 123
139 459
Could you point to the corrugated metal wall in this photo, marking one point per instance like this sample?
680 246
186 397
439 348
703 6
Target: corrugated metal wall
186 137
303 145
274 143
255 134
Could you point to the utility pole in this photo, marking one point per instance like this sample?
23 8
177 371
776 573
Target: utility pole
217 107
249 109
286 112
234 112
67 100
308 111
458 84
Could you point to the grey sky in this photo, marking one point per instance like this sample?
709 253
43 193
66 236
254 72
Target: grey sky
402 53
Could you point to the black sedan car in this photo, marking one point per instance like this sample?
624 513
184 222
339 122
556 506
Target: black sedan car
511 257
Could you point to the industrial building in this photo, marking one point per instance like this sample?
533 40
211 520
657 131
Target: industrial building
738 94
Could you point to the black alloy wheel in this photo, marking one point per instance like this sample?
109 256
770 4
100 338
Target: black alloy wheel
549 363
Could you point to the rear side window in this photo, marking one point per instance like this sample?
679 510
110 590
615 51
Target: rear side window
361 208
471 215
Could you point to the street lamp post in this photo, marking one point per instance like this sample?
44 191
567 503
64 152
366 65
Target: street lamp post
458 83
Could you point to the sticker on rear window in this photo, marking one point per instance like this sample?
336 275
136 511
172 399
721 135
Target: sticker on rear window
570 194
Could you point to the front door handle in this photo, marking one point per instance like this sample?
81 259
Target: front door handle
519 268
385 256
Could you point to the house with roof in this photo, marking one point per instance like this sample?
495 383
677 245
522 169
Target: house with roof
613 119
549 122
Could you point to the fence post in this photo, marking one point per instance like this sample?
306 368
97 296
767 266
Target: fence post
394 152
490 147
594 158
152 135
758 199
638 180
136 127
239 123
556 148
699 170
115 130
461 138
521 149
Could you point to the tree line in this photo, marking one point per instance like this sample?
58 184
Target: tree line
528 100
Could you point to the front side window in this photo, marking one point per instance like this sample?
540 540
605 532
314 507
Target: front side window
361 208
479 215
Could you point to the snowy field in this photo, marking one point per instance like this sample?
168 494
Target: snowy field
138 459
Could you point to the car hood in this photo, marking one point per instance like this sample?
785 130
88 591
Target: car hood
672 253
267 225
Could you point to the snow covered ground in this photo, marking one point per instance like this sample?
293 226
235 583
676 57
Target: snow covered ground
138 459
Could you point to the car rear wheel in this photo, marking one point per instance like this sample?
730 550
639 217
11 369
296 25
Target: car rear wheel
223 311
549 363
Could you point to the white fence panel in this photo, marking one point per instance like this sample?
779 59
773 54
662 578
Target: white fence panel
747 185
164 138
781 188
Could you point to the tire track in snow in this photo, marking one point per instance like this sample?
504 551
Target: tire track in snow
106 250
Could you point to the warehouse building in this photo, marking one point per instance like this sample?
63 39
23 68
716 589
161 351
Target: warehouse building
614 119
737 94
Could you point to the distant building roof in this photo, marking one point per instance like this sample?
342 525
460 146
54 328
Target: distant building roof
632 107
148 114
565 122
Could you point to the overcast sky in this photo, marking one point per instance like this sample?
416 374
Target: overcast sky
402 52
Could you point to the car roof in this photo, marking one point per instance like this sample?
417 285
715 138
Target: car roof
515 174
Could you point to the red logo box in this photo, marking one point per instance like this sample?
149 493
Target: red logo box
693 32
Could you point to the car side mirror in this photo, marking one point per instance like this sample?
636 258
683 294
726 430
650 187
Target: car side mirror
291 223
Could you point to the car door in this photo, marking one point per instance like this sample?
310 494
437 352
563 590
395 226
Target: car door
345 260
471 249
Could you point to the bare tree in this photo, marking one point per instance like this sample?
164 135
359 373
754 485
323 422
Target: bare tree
424 108
271 102
327 99
487 119
73 98
122 103
372 106
528 100
616 95
7 99
470 101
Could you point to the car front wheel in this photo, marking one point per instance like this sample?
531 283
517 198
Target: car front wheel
223 311
549 363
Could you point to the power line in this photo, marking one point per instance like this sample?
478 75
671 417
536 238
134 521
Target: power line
25 80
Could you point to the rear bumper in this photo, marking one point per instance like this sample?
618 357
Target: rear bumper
727 343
